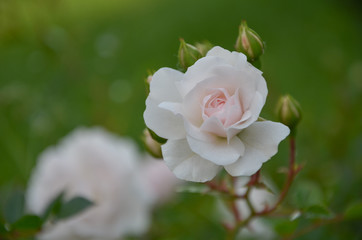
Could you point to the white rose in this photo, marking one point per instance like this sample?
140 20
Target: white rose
209 116
100 167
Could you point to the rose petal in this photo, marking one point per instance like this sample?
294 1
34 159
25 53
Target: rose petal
226 76
261 87
198 72
233 58
215 149
163 122
223 77
187 165
254 111
261 141
162 86
213 125
174 107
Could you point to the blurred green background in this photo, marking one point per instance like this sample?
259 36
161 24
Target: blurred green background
66 63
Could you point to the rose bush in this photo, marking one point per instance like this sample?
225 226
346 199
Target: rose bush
259 198
101 167
209 116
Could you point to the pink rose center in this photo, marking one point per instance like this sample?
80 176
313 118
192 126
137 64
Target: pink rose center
221 105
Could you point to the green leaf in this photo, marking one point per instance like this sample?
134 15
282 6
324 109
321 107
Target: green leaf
28 222
306 194
317 212
2 229
73 207
54 207
14 207
285 227
354 211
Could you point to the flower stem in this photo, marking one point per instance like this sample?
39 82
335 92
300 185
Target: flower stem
291 174
292 171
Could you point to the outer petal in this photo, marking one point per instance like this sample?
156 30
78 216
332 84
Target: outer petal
261 141
187 165
163 122
233 58
198 72
215 149
162 86
163 89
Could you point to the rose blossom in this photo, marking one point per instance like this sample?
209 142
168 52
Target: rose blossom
101 167
209 116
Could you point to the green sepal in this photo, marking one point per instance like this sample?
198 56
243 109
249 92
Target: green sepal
156 137
187 55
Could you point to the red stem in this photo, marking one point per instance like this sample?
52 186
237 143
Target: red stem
292 171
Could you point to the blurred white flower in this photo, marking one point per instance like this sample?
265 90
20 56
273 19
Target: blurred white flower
159 180
257 228
101 167
259 199
209 116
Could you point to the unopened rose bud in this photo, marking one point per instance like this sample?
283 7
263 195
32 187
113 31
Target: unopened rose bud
204 47
147 83
148 80
289 112
249 42
187 54
152 146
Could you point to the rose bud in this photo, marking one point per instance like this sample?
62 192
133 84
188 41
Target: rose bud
249 42
148 80
204 47
187 54
289 111
152 146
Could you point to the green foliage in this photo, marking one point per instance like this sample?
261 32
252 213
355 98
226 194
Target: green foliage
2 229
25 227
318 212
60 209
305 194
354 211
54 207
28 222
285 227
14 207
72 207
